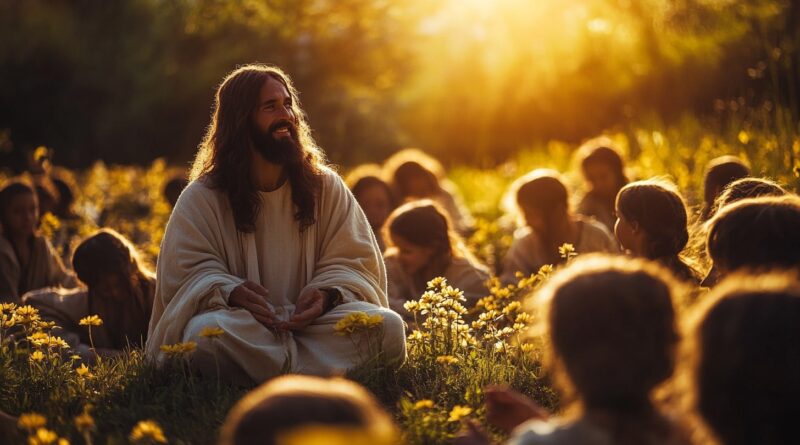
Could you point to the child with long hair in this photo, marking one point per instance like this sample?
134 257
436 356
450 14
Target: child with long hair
757 234
543 202
604 172
744 359
119 290
422 246
414 174
652 222
612 336
27 259
373 195
720 172
298 410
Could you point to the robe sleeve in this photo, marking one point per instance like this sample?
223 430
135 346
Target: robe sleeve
192 272
348 256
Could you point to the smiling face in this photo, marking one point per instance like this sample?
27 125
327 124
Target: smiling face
275 134
411 256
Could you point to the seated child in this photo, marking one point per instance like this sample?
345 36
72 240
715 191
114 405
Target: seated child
422 247
374 196
119 290
542 200
652 223
27 259
604 172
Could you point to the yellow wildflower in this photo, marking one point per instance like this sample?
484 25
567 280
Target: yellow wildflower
43 436
459 412
91 320
147 431
209 332
179 348
31 421
423 404
7 307
83 371
37 356
26 314
74 357
357 321
447 360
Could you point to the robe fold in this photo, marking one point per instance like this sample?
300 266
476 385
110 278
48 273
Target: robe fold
204 257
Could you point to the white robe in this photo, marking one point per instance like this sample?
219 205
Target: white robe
203 257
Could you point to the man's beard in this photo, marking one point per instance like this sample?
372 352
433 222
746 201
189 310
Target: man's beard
282 150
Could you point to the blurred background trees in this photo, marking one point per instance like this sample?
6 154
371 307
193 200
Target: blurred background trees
473 80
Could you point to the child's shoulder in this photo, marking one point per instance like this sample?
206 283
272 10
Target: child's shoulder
555 432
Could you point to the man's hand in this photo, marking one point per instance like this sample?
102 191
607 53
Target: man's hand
251 296
507 409
310 305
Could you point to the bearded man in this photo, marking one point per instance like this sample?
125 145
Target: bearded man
268 244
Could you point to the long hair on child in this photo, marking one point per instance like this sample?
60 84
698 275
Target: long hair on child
413 165
657 207
10 191
612 336
742 359
108 254
602 151
720 172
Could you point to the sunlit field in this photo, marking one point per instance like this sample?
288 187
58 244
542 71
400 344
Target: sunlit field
116 97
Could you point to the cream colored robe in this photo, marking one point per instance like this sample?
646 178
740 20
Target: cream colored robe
45 270
525 252
203 257
467 276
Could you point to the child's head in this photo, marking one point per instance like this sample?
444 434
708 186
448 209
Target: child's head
420 231
612 328
602 167
285 407
756 233
720 172
542 200
373 194
107 262
413 173
651 219
747 188
19 210
746 356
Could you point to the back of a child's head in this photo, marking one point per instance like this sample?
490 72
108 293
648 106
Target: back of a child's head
103 254
287 405
657 208
746 359
748 188
720 172
422 223
612 328
757 233
543 190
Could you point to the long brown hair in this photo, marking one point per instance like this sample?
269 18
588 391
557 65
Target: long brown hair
225 153
657 207
544 190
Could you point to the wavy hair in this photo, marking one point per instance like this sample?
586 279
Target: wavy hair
227 146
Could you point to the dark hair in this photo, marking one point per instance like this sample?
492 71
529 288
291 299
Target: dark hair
601 151
756 233
107 253
10 191
543 190
174 187
747 353
658 209
289 403
225 152
368 176
411 163
720 172
422 223
747 188
612 328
